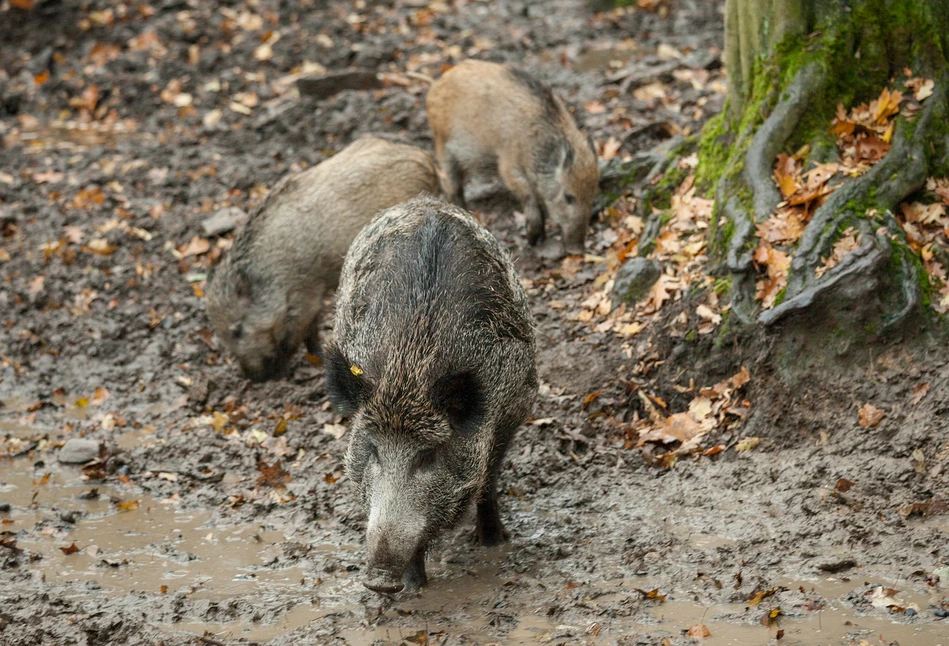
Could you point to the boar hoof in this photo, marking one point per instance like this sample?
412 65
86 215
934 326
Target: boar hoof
489 531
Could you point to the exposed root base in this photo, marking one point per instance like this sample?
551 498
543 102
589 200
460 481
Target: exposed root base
880 274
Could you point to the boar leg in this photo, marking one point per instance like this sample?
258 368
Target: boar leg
489 529
415 576
534 215
453 179
521 188
313 337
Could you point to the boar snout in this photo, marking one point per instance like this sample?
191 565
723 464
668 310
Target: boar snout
392 552
266 371
384 581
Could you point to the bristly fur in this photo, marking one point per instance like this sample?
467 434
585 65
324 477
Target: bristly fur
489 116
434 357
266 295
540 91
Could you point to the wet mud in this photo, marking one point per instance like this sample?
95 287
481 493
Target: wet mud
219 512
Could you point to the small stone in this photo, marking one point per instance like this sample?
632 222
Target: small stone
78 451
635 278
223 220
910 612
327 85
200 390
5 508
69 517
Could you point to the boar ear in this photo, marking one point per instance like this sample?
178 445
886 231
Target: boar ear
347 386
459 396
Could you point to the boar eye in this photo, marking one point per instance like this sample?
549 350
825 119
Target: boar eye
424 459
571 199
237 330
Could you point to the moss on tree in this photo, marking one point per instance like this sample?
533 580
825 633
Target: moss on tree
790 63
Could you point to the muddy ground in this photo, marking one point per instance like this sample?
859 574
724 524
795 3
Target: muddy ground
125 126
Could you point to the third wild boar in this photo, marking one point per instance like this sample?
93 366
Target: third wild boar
265 298
433 357
487 117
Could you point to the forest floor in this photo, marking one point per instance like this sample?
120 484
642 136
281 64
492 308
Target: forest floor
676 479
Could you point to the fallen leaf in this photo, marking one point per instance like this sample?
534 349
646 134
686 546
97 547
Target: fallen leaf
196 247
761 595
869 416
747 444
100 247
680 427
72 549
127 505
843 485
919 392
36 285
652 594
698 631
589 399
272 475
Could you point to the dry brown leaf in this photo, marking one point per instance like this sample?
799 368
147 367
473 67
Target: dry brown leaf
72 549
848 241
680 427
698 631
610 148
100 247
785 226
99 396
272 475
777 263
196 247
919 392
869 416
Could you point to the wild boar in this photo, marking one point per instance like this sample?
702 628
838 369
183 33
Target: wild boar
490 118
265 297
433 358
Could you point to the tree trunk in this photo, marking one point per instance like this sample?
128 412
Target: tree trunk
790 63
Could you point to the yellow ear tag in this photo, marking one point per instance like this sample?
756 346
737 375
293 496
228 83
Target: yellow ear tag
356 370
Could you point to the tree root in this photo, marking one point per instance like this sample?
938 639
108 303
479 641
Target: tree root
774 133
863 271
764 146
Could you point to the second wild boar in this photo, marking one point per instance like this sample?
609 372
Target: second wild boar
265 297
434 359
487 117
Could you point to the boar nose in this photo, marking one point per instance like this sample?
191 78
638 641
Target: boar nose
383 582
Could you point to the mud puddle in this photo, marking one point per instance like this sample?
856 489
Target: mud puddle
108 540
132 543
